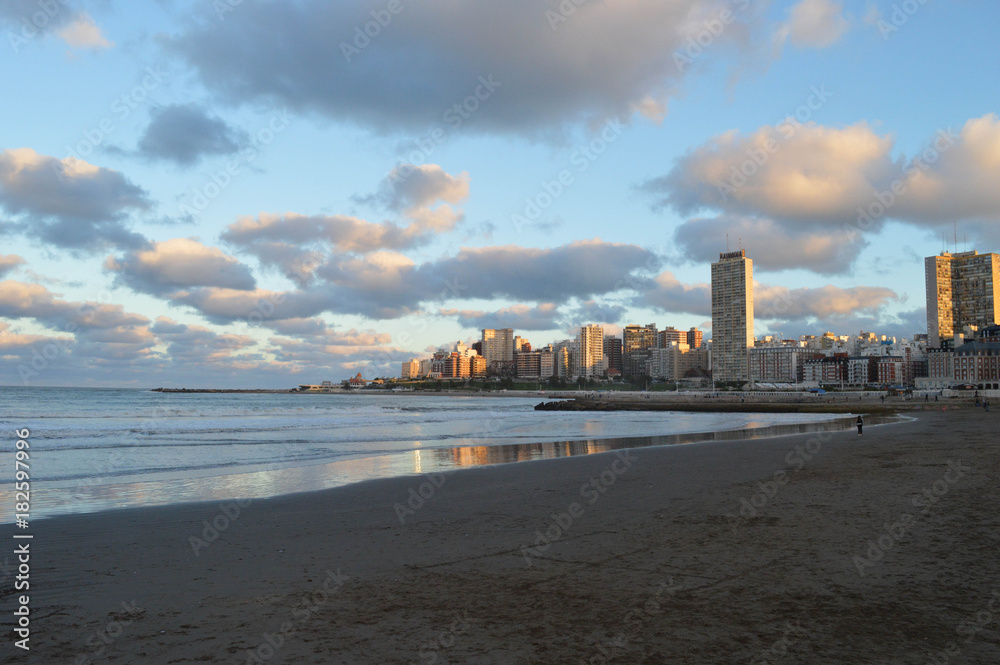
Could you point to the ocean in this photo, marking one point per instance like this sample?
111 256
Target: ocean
96 449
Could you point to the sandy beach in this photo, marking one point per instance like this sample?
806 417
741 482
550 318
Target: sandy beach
828 548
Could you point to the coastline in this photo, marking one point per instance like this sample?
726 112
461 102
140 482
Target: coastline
661 566
267 481
866 402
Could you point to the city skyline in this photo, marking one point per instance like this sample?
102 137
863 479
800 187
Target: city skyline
184 205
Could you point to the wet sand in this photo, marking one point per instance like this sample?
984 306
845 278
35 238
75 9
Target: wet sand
806 548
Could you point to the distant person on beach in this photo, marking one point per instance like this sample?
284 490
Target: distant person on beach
861 423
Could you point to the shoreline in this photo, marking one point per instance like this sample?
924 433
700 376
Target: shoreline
664 564
867 402
439 459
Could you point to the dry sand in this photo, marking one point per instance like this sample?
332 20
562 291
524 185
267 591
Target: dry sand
658 568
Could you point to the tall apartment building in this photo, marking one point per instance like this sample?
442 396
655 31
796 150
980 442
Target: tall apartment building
668 335
564 359
694 338
547 363
498 345
613 354
637 338
636 343
591 351
411 369
732 316
963 289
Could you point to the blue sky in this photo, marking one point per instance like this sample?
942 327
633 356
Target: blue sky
236 194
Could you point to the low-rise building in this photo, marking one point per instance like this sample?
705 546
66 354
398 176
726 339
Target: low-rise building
978 364
825 370
862 370
894 371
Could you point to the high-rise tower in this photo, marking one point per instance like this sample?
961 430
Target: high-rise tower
732 316
591 351
963 289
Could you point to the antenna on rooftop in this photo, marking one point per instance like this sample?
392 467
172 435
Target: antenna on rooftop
727 242
956 237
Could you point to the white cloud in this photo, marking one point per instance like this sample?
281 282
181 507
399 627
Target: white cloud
69 203
814 24
821 190
10 263
84 33
298 244
179 263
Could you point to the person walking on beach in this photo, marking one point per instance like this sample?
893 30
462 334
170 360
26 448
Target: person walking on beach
861 423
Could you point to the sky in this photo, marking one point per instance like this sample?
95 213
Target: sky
246 193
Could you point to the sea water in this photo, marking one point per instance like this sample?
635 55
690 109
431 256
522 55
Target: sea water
95 449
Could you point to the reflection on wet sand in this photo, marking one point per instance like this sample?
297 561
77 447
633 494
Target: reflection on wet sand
54 500
522 452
